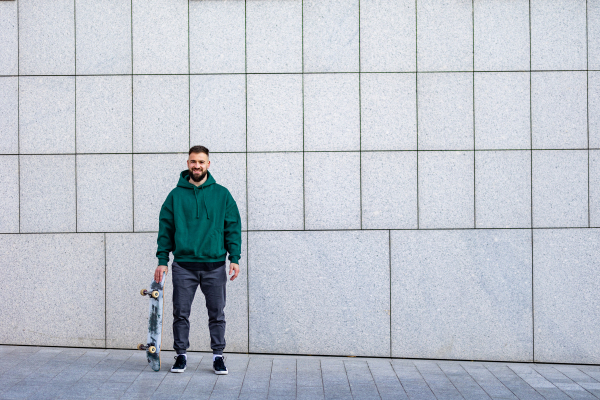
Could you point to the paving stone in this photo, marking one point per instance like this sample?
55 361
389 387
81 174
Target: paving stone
439 384
462 381
360 379
256 381
487 381
388 385
582 379
335 381
563 382
412 381
538 382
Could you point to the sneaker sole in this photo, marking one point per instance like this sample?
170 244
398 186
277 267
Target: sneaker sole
177 370
221 372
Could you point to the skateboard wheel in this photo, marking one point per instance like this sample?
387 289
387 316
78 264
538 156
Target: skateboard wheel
140 346
155 294
152 349
143 292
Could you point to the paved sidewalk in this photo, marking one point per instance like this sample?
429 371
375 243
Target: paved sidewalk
74 373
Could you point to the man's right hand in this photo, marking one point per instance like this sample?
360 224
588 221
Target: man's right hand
158 274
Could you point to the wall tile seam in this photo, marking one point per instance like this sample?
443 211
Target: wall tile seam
321 230
313 151
302 73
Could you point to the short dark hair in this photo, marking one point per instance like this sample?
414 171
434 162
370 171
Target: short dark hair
198 149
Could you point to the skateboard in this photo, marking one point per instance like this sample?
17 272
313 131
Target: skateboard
155 320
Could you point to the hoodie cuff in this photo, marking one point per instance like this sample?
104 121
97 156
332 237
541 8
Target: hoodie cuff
234 259
162 261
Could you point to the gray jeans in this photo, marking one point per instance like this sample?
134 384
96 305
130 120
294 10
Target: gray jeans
213 284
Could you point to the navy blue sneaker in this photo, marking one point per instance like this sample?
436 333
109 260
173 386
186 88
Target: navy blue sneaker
219 366
180 362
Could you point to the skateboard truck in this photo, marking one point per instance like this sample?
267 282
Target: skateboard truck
153 293
148 347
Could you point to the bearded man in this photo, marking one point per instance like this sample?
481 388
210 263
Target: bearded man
200 223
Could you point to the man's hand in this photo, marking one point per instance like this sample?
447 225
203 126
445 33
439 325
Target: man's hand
158 274
234 267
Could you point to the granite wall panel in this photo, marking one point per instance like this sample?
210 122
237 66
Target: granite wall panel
9 185
47 193
387 35
462 294
298 303
9 38
57 291
566 313
274 36
9 115
103 33
160 36
46 37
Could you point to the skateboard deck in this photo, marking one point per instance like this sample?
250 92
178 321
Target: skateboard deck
155 320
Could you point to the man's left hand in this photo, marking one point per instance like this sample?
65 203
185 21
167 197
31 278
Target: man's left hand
233 267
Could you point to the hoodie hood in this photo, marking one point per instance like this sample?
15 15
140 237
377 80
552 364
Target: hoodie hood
199 191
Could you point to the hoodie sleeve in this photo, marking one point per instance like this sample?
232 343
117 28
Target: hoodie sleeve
233 230
166 231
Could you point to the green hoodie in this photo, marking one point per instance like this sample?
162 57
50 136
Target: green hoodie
199 223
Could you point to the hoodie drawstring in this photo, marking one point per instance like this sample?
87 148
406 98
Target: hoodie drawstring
198 204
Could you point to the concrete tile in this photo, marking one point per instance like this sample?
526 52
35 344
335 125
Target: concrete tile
104 193
127 330
103 37
593 104
387 35
229 170
154 176
444 305
275 112
558 34
559 110
463 382
439 384
594 187
330 30
445 35
274 36
270 175
593 34
49 205
161 114
503 189
9 38
9 114
502 110
160 36
501 33
218 110
565 272
68 261
47 114
9 185
331 112
46 37
487 381
331 190
446 190
388 112
513 383
323 306
389 190
541 384
445 111
217 36
104 115
560 188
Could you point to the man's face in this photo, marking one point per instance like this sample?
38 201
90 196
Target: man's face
198 164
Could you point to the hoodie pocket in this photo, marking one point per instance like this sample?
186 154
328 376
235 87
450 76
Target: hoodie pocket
214 245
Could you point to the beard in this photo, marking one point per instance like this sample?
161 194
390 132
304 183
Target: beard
197 177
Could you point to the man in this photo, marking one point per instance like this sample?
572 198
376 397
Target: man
200 223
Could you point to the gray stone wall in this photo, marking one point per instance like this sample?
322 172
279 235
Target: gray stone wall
415 178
